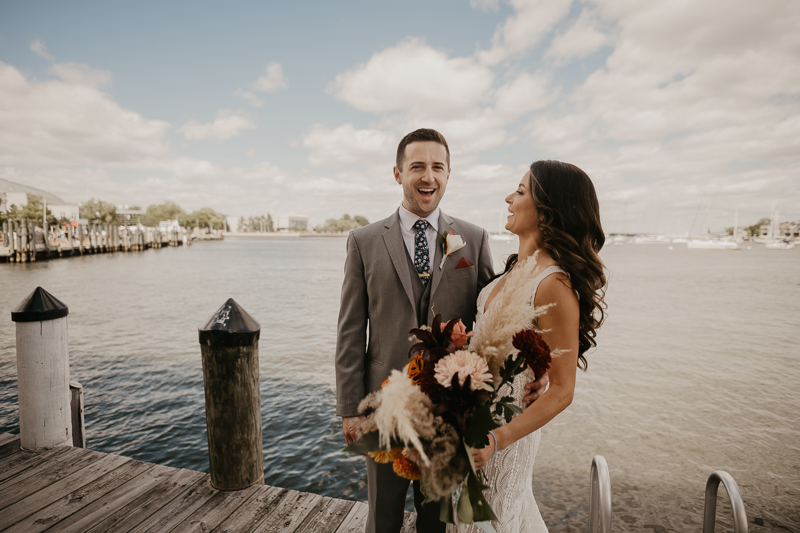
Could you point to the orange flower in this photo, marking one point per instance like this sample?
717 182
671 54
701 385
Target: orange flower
459 335
403 467
382 456
414 368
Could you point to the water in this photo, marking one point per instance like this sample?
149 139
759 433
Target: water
697 370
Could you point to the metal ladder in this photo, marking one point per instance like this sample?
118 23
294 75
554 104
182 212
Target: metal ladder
600 502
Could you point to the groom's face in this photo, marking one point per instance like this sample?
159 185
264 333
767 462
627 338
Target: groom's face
424 176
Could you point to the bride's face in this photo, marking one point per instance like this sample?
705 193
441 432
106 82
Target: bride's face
523 217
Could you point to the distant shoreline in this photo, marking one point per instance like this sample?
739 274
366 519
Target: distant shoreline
284 235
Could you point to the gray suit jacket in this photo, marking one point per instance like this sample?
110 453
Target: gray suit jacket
377 309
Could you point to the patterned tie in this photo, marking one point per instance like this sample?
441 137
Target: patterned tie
422 260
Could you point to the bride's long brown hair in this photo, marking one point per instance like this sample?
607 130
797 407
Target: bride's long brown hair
572 235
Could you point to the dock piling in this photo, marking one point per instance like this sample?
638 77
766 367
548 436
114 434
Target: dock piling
43 358
229 348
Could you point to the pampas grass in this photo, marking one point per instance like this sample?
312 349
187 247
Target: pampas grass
405 412
510 311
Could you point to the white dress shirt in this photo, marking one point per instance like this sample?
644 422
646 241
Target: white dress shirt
407 221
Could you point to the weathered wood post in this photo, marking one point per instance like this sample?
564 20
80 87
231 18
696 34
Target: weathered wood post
43 371
229 348
76 416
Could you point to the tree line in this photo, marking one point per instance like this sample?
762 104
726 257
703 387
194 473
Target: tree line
96 210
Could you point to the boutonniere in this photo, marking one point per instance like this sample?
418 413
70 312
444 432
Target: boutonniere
450 243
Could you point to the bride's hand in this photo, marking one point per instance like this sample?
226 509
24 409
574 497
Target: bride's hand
537 387
481 456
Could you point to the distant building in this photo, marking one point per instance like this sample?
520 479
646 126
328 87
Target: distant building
291 223
233 224
785 230
12 193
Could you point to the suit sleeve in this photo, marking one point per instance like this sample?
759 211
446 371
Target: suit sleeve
351 334
485 263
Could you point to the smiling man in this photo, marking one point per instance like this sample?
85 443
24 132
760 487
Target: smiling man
393 283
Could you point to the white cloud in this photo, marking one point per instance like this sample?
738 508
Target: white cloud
226 125
348 145
526 93
254 100
80 74
581 39
485 5
39 48
532 21
70 121
413 77
272 79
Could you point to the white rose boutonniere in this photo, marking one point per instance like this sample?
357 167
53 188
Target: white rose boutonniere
450 243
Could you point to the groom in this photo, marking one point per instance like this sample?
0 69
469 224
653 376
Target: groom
393 283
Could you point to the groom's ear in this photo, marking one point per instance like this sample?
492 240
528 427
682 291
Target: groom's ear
397 176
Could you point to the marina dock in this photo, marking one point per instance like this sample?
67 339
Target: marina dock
69 489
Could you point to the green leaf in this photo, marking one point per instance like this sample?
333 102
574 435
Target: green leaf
481 510
478 425
465 512
446 511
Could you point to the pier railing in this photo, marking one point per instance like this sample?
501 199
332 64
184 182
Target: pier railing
600 497
737 504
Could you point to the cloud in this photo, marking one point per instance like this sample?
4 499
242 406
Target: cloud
527 92
581 39
532 21
485 5
254 100
70 121
38 48
226 125
272 80
348 145
80 74
414 77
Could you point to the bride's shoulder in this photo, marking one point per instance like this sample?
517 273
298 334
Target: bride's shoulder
556 287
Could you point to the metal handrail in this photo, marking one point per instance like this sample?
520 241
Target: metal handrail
600 502
737 504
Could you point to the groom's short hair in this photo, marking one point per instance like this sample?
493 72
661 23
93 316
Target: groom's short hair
420 135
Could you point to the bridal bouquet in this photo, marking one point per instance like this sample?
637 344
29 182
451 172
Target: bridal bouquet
427 419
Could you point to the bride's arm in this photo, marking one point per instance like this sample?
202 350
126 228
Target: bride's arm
560 324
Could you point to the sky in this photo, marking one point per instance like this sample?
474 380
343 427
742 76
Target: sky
683 113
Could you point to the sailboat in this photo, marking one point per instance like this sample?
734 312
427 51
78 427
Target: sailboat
716 244
774 243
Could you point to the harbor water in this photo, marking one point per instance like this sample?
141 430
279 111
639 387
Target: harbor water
697 369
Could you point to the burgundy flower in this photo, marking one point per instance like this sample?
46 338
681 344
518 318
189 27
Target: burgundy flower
534 351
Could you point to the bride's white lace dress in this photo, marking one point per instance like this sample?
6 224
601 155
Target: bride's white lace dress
510 471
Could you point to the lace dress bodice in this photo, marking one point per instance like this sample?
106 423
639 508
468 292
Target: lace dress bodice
510 471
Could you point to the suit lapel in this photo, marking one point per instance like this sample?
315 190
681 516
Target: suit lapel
393 239
445 225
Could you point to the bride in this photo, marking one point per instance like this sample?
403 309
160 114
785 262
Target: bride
555 213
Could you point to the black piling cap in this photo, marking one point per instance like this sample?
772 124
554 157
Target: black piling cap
230 326
39 306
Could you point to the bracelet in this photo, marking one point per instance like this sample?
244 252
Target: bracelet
495 443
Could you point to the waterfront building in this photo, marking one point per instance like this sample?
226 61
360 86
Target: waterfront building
12 193
291 223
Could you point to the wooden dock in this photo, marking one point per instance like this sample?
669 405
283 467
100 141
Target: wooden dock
74 490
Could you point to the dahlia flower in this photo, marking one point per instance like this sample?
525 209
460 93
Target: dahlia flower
463 363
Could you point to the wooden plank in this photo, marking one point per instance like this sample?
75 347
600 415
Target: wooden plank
409 523
326 516
40 476
80 498
148 503
290 513
38 500
9 447
7 437
215 510
11 466
252 512
356 519
111 502
178 509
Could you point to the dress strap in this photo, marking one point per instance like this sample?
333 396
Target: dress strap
541 276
